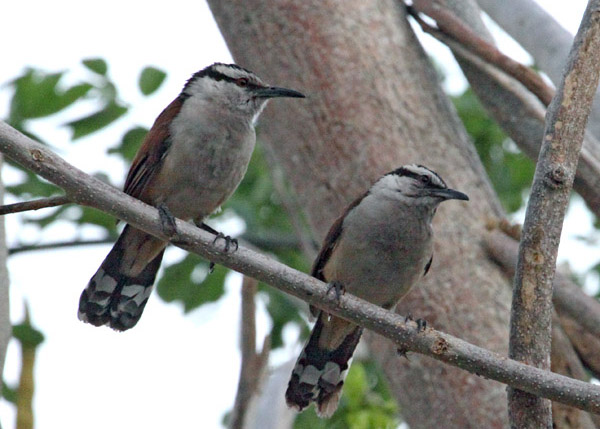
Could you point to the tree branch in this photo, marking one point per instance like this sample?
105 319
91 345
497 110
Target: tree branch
253 363
41 203
90 191
548 44
531 313
519 114
450 25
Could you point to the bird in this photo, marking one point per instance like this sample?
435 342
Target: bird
378 249
190 162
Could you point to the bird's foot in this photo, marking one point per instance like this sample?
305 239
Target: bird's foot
219 235
167 221
228 241
421 323
338 288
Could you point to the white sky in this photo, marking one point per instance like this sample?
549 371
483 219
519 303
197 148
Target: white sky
171 370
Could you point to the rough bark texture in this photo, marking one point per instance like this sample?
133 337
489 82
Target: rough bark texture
531 316
5 326
373 104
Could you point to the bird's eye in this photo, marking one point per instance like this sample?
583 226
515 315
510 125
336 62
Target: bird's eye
242 82
425 180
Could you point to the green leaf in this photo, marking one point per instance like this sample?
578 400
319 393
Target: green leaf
33 186
130 143
189 283
37 94
150 80
9 393
91 216
97 65
27 335
96 121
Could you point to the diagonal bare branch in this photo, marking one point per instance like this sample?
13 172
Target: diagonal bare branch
450 25
90 191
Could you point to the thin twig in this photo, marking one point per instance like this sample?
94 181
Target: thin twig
58 245
253 363
531 313
451 25
90 191
41 203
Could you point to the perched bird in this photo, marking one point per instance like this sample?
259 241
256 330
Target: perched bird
377 250
191 161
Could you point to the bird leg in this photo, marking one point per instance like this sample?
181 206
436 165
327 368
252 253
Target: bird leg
338 288
228 240
167 221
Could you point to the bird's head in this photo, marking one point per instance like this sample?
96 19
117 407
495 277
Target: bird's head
232 87
416 185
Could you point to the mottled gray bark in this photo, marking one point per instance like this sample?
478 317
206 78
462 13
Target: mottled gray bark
373 104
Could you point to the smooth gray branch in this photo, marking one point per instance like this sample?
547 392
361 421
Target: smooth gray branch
90 191
531 313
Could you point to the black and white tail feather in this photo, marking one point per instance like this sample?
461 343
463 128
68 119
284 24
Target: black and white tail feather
116 299
319 373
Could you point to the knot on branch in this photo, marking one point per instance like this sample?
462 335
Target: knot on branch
556 176
37 155
441 346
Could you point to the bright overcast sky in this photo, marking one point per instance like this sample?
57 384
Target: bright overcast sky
171 370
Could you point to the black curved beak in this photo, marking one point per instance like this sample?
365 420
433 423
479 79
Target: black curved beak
448 194
273 91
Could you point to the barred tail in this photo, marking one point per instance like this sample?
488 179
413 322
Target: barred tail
117 294
321 368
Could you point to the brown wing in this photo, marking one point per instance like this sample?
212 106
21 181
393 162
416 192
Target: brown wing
329 244
149 157
331 240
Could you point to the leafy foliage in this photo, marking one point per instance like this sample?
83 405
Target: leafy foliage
130 143
510 171
151 79
190 282
97 65
38 94
366 403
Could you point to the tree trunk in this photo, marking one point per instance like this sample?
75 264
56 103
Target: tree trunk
374 103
